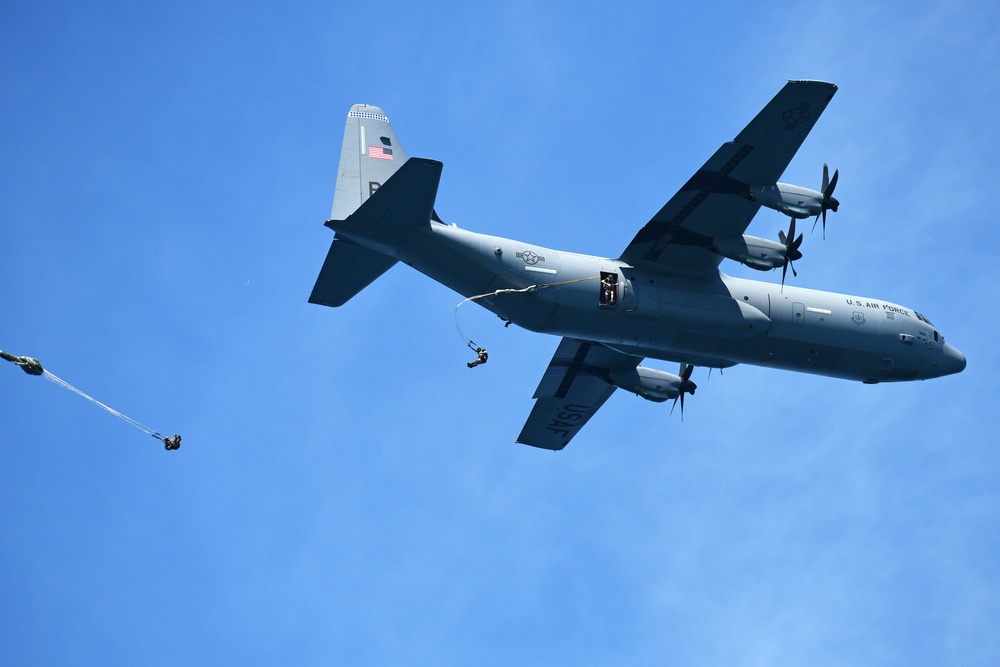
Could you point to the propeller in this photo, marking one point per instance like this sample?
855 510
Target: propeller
829 203
792 251
686 387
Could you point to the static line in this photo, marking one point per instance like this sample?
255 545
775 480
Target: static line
62 383
524 290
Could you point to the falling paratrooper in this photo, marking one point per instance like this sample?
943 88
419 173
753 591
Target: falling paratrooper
32 366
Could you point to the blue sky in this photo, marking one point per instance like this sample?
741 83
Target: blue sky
348 492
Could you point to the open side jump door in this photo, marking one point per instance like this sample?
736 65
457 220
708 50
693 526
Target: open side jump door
609 289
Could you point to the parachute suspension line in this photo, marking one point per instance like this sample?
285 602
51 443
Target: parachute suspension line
468 341
66 385
32 366
531 289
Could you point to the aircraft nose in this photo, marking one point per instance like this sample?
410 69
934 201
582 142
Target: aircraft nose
952 360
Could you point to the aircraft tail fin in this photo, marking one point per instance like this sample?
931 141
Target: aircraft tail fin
381 198
370 154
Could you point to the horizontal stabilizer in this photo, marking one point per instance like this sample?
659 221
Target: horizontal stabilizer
348 269
405 200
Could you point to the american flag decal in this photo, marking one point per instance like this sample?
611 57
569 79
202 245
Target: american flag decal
380 153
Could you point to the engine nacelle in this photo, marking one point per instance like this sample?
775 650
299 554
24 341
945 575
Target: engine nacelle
753 251
792 200
651 384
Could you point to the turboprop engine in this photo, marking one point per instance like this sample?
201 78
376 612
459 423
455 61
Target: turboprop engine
654 385
797 201
792 200
753 251
761 254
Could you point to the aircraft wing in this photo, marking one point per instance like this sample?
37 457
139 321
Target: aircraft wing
712 205
572 389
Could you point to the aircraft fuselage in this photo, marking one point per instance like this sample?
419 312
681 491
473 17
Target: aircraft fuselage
714 323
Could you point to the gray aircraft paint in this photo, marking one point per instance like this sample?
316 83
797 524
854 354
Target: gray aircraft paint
721 323
671 302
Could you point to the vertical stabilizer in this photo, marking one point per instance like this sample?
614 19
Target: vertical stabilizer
370 155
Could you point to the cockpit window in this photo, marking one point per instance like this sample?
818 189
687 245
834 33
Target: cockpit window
922 318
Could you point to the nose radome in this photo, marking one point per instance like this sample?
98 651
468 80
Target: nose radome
953 360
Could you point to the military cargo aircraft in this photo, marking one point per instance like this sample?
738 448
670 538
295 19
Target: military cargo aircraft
663 297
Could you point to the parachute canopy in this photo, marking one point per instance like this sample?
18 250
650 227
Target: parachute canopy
29 365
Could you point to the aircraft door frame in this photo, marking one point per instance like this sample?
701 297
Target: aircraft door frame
628 292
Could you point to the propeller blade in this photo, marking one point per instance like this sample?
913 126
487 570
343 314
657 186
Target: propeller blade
686 387
784 272
828 203
792 252
828 191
